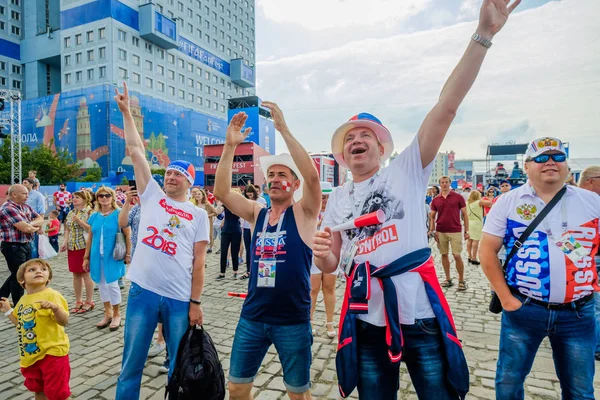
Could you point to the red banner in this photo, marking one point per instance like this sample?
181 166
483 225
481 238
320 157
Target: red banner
245 167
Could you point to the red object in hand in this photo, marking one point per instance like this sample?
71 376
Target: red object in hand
235 294
374 218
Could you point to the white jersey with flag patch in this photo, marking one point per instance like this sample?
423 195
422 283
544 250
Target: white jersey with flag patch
541 269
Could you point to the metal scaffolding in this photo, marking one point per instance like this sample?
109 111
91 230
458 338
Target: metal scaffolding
10 119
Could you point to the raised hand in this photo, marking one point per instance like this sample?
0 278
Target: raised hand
493 15
130 194
277 115
234 134
122 99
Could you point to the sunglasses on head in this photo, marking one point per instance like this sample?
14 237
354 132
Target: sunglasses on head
542 158
104 195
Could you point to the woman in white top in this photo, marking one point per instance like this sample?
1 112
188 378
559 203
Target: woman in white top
320 280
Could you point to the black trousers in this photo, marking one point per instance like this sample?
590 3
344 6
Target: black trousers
15 254
247 239
234 239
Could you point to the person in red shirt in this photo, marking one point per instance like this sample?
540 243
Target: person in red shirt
52 229
447 207
62 201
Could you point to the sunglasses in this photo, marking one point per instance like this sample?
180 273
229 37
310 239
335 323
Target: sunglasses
104 195
542 158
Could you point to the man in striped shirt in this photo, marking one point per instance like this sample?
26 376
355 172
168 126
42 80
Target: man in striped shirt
18 223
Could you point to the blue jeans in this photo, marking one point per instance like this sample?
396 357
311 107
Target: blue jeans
597 309
379 379
572 337
145 309
34 246
292 342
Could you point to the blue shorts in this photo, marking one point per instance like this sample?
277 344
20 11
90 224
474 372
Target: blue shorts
62 213
292 342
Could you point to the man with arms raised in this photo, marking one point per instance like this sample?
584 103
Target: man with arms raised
167 270
277 309
400 312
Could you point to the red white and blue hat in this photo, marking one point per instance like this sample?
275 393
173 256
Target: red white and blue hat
542 145
362 120
184 167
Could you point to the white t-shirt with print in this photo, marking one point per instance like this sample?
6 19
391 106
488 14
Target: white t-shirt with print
540 269
398 190
164 253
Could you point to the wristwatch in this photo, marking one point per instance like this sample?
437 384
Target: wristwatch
195 301
481 40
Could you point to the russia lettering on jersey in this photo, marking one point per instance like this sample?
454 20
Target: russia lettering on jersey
529 271
581 275
541 269
269 242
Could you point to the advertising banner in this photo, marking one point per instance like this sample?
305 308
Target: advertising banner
88 124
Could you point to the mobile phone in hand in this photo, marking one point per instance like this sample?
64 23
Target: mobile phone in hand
132 184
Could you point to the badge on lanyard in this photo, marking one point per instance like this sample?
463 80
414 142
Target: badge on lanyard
267 270
348 254
571 247
267 264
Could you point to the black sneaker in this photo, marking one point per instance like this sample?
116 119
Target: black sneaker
220 277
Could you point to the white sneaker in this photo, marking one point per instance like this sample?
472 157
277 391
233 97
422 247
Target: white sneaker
164 368
156 349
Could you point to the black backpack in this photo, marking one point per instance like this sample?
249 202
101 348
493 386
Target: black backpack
198 372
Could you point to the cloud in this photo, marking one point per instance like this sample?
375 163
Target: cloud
319 14
539 70
469 9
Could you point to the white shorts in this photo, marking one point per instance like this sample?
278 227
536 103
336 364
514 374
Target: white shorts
315 270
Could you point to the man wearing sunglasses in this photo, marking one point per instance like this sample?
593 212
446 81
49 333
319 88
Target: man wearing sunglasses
548 287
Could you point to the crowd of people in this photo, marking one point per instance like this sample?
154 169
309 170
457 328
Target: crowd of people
295 244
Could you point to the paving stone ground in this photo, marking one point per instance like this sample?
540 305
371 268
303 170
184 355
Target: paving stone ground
96 354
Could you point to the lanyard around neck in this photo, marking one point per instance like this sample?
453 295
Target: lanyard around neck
277 232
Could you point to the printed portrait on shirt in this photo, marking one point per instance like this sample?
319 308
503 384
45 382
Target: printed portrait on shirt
379 199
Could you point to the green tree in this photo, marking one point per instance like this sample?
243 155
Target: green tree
92 175
53 167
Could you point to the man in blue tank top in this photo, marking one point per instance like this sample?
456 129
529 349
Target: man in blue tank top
277 308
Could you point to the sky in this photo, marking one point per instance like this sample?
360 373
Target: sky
324 61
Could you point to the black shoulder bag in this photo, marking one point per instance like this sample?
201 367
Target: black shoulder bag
495 305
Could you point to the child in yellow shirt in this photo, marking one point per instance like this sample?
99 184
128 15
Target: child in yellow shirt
40 317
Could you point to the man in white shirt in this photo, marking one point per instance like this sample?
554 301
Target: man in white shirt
393 318
167 270
548 285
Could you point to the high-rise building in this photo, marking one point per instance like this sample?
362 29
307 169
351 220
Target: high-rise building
183 59
440 168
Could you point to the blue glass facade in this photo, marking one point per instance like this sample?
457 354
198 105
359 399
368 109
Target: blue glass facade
176 60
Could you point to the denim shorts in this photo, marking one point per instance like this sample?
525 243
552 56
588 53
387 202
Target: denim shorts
292 342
